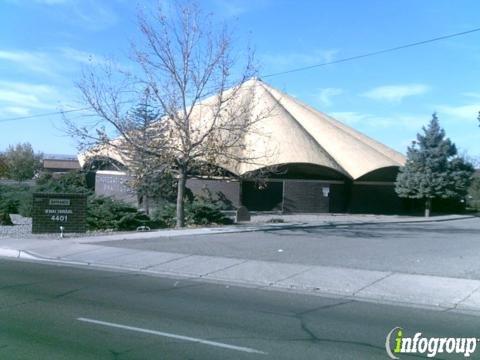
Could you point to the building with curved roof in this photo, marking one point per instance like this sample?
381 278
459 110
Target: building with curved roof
321 164
302 135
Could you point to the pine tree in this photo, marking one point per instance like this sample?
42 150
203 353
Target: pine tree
143 167
433 168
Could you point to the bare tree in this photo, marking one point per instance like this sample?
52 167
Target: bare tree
186 68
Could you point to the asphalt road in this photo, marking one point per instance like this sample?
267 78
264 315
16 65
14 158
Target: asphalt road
61 312
449 248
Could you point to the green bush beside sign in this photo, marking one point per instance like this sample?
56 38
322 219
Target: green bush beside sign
54 210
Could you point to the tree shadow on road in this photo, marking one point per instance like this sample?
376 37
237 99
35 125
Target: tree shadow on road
375 231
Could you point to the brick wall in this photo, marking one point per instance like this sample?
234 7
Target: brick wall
50 211
267 197
230 190
306 197
375 199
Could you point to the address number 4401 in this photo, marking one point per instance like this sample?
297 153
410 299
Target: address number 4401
60 218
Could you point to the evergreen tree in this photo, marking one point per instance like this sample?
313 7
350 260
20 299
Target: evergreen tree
474 194
433 168
3 166
148 177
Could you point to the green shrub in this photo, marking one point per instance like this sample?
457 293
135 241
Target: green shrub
26 207
8 205
165 215
201 213
71 182
104 213
197 212
473 197
14 197
5 219
131 221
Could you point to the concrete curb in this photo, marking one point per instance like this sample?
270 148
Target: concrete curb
19 254
432 292
31 256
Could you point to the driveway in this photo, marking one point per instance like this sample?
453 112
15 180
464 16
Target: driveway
450 248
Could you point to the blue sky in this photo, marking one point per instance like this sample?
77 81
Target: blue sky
45 43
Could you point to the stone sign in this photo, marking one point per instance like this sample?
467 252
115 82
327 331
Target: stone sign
242 214
54 210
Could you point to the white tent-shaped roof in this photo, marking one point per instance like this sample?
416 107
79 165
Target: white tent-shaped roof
301 134
295 133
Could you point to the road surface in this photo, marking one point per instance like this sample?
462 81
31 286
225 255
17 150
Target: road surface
64 312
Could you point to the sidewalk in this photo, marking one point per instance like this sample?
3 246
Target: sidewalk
442 293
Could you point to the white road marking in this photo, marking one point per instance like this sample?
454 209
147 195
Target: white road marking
173 336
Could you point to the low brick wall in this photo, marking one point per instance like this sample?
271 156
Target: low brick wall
230 190
114 185
50 211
